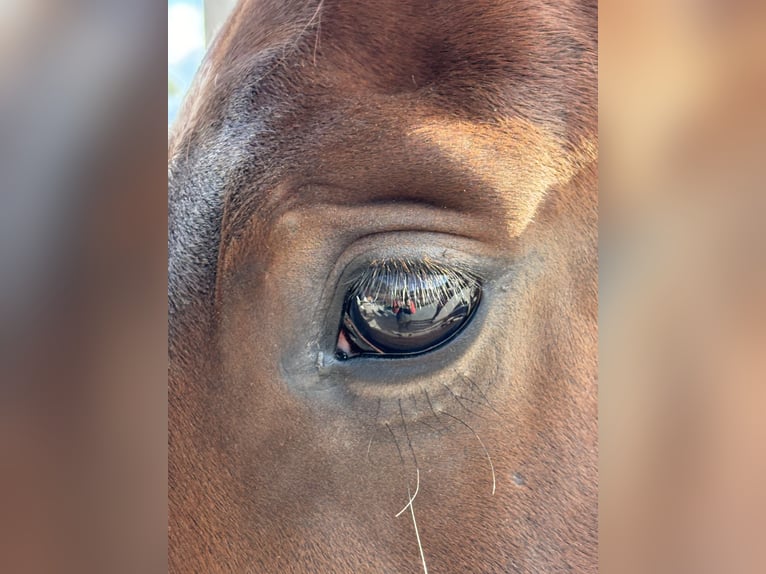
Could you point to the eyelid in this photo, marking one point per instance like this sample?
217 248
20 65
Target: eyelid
347 265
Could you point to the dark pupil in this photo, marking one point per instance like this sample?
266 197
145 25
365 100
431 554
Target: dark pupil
403 308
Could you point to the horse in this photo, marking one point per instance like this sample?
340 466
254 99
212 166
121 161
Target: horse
332 162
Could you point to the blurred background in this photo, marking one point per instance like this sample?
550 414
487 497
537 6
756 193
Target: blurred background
83 288
186 45
191 26
83 312
682 286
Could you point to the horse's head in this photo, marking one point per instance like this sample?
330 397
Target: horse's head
383 290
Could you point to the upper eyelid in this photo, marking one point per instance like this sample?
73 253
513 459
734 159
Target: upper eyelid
420 266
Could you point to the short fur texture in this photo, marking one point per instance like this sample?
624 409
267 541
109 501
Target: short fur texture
321 134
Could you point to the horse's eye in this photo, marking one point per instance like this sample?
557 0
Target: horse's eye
402 307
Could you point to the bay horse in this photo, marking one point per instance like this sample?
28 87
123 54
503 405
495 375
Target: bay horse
383 290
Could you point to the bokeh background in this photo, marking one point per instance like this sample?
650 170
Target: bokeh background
83 292
682 286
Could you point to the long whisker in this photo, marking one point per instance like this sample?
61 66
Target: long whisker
486 452
407 434
319 28
396 442
483 395
454 396
470 400
417 532
369 444
432 428
417 488
411 498
431 406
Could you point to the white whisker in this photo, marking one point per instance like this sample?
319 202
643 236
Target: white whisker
417 488
369 445
486 452
415 522
417 535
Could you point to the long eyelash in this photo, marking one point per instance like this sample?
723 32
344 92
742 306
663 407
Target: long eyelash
425 279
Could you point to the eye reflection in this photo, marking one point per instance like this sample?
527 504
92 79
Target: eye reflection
400 307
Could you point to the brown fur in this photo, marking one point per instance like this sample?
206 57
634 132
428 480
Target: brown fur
319 134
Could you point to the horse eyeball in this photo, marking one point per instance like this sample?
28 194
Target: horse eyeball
399 308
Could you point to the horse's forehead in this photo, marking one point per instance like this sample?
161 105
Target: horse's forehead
473 55
395 62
